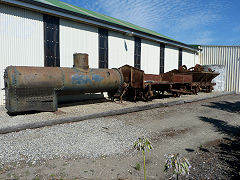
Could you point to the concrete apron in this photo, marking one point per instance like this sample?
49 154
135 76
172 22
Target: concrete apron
34 125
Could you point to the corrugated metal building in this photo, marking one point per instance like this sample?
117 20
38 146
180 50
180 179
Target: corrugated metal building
228 56
49 32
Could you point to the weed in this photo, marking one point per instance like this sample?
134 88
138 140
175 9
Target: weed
15 177
178 164
143 145
138 167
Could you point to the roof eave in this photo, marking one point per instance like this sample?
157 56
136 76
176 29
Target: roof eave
49 9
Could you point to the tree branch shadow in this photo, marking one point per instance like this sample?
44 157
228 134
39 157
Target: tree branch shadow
229 148
226 106
222 126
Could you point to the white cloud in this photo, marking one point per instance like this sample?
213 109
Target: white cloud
203 38
168 17
155 14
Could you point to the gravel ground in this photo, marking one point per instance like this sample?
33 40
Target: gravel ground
86 139
86 108
219 159
102 148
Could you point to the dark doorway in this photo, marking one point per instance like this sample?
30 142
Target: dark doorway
137 53
51 41
162 52
180 57
103 47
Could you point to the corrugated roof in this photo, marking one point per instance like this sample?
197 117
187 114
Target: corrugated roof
93 14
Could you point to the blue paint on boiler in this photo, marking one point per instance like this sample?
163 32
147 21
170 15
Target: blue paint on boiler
84 79
97 78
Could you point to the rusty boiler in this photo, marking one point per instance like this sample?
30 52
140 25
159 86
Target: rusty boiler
37 88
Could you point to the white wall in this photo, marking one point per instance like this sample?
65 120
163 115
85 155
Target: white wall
120 50
196 58
21 39
229 57
150 57
170 58
78 38
188 58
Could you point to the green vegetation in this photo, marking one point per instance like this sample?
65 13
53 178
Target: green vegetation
143 145
178 164
138 167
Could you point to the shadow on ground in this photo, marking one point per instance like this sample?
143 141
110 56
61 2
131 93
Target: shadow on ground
223 126
229 147
225 106
82 102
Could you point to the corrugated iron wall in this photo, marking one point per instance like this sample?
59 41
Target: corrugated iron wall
150 56
229 56
120 49
188 58
78 38
171 58
21 40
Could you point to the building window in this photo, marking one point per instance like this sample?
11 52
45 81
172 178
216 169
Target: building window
103 47
137 53
51 41
180 57
162 52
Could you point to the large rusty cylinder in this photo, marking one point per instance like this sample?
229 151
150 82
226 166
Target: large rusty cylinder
90 81
30 86
33 77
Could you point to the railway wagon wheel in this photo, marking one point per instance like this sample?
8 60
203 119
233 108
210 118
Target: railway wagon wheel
176 94
196 90
209 89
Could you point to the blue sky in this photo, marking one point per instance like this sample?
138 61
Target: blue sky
212 22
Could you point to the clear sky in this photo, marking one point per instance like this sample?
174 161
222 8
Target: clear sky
212 22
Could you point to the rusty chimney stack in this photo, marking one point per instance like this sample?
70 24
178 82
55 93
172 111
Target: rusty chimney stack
80 60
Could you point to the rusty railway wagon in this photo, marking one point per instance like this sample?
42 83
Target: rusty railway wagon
202 81
38 88
138 85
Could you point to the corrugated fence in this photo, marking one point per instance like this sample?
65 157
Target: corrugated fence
229 56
